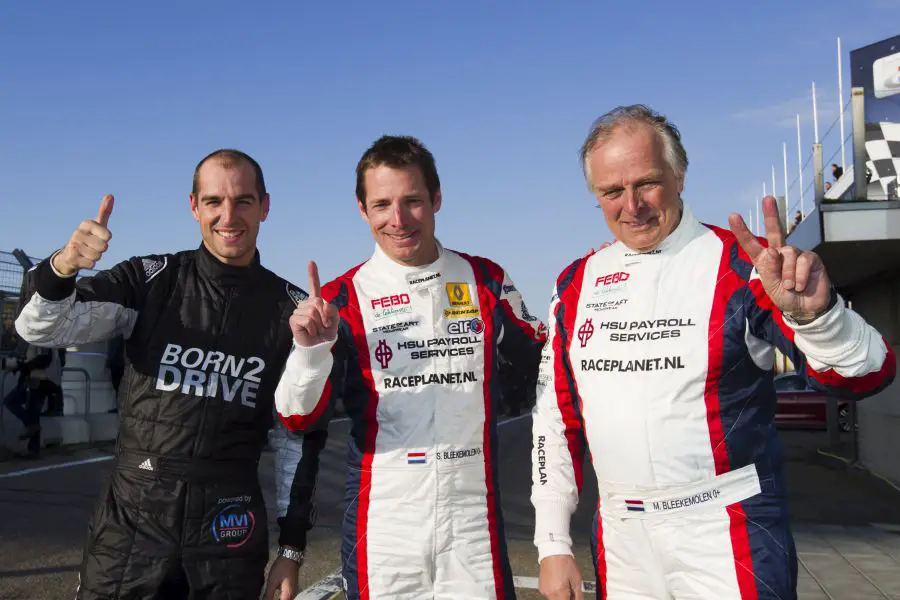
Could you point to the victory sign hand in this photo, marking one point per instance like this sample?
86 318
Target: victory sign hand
795 280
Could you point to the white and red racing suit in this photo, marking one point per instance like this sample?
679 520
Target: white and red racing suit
661 364
416 365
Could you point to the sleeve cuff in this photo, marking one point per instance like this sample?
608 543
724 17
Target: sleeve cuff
546 549
50 284
312 361
551 532
55 272
826 337
291 533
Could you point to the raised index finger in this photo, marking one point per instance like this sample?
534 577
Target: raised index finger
744 237
106 208
315 290
774 231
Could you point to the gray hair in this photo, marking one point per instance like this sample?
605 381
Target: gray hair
634 114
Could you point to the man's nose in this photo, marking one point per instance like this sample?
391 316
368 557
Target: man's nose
632 200
398 216
229 211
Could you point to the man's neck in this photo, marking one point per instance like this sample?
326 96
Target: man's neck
426 256
244 260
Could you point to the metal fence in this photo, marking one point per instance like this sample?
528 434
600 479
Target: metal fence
12 273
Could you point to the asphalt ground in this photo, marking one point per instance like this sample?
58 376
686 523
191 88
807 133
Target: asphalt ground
45 505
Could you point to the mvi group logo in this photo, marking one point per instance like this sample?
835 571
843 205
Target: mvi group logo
233 526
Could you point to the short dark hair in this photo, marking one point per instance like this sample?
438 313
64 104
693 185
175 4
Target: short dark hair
230 158
397 151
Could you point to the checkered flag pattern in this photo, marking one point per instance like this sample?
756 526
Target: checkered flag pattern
883 150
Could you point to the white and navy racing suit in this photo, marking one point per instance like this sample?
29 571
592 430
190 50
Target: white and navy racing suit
205 344
661 365
416 362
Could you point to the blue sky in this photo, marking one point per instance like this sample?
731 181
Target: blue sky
124 98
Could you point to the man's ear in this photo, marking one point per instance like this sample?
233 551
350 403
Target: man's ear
436 202
362 210
195 210
265 208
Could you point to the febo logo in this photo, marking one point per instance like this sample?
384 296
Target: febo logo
388 301
611 278
233 524
465 326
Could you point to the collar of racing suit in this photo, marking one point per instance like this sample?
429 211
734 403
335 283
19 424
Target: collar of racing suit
226 275
681 235
417 278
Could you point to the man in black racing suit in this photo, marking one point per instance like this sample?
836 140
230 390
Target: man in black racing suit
206 338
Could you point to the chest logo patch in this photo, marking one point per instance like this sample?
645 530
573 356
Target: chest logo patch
585 332
383 354
459 294
153 267
295 294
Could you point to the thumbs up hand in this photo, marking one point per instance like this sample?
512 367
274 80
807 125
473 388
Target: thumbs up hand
87 244
314 321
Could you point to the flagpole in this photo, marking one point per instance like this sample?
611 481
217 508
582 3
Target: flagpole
841 101
786 203
800 165
815 112
774 193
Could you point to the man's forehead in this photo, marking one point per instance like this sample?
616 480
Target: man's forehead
635 152
226 172
387 179
629 137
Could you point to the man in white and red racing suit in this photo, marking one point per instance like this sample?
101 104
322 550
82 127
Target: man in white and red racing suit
660 362
413 353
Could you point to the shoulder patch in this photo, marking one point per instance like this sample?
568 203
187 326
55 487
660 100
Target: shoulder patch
295 293
153 266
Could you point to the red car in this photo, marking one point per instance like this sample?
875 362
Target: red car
801 406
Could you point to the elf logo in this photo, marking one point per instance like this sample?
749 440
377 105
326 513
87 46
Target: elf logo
465 326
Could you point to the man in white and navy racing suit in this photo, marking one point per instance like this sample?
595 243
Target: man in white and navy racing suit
206 338
412 347
660 362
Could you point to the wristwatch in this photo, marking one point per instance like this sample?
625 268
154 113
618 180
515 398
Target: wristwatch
809 318
291 554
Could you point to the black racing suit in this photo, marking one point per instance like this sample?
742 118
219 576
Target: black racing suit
205 344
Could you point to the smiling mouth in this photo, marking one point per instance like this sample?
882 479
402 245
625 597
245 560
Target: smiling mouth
402 237
229 235
642 223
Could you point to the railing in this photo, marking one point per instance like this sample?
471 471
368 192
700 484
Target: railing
11 274
87 395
